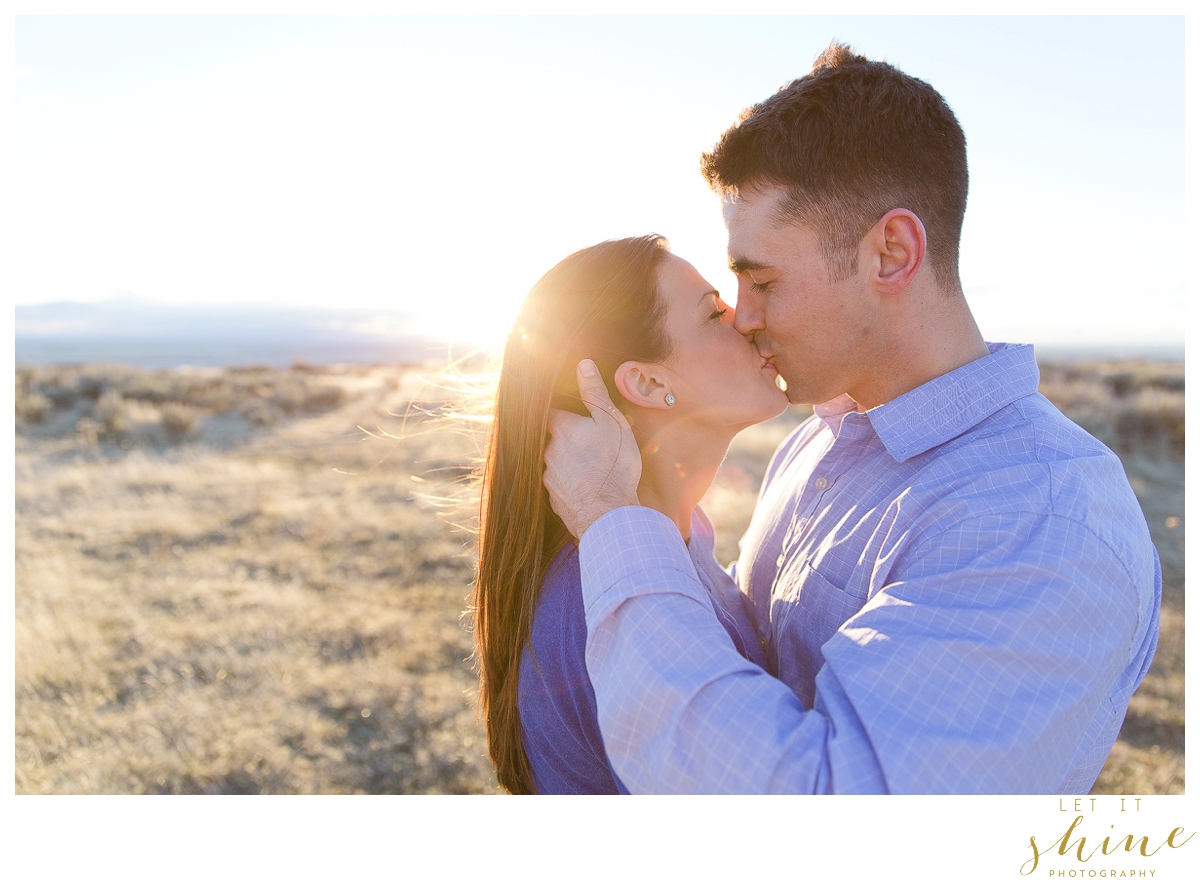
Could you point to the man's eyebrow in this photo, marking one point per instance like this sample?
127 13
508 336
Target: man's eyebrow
738 265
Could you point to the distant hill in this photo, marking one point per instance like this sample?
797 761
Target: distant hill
1114 352
155 335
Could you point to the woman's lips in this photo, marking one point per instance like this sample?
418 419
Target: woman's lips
770 367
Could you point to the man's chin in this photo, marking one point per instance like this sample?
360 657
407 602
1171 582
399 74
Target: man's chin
793 390
798 394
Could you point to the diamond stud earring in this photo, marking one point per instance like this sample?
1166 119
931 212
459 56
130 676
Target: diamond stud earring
670 399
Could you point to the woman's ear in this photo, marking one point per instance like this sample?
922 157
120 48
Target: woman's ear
642 385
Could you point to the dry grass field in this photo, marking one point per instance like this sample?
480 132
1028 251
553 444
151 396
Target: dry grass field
223 585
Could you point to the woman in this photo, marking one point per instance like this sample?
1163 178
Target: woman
687 382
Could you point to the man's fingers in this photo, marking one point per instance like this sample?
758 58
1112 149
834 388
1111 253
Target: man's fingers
559 421
592 462
593 392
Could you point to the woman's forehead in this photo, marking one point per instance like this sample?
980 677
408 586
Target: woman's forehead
679 279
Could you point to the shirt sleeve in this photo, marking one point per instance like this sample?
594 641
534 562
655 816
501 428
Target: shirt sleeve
674 697
976 668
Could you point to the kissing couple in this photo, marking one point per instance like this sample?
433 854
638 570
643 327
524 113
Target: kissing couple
946 585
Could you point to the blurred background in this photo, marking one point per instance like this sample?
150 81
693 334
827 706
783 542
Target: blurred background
247 248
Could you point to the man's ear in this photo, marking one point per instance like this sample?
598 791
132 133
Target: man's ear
642 385
898 241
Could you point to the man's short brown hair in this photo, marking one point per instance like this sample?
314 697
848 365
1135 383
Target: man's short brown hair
851 141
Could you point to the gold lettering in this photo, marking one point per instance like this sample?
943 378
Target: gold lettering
1104 846
1171 838
1145 842
1108 847
1027 868
1064 842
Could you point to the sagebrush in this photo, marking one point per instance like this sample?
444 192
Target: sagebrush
254 580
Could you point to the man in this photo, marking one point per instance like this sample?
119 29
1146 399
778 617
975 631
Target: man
955 586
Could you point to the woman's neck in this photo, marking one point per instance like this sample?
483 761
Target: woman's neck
678 466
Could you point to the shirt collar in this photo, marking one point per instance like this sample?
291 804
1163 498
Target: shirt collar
831 411
950 405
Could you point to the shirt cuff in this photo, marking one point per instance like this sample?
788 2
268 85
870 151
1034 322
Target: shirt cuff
633 551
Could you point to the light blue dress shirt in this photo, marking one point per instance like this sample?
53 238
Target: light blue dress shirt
957 590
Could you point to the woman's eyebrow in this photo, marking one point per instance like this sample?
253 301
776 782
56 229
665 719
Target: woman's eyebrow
707 294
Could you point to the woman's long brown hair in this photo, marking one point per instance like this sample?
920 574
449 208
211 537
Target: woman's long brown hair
600 303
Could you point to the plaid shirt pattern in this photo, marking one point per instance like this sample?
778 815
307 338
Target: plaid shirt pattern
957 593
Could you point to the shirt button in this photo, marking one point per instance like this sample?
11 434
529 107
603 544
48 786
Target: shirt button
822 483
779 561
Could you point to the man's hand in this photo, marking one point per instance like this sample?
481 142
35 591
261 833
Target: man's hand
592 463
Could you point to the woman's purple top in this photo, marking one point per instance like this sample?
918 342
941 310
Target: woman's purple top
559 727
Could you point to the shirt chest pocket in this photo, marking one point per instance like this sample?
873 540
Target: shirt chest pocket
806 610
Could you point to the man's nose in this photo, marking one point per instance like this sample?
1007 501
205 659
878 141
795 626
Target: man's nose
747 317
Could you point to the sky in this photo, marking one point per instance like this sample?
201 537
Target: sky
439 166
442 165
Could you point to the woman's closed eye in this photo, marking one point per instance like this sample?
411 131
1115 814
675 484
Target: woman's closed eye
718 314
